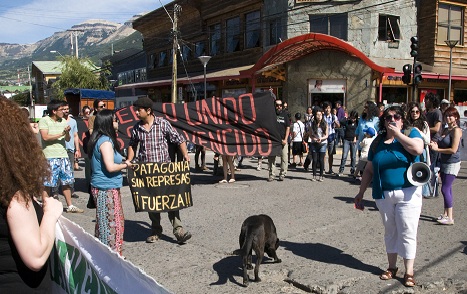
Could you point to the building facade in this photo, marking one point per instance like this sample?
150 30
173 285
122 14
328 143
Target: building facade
308 51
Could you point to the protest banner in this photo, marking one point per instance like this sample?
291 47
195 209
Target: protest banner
246 125
160 187
80 263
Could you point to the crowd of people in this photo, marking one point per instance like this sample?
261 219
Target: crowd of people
386 141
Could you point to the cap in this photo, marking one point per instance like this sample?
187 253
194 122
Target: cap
370 131
143 102
445 101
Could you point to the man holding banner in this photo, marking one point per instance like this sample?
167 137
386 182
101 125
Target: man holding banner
152 135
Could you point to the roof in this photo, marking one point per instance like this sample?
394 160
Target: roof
12 89
90 93
48 67
297 47
233 73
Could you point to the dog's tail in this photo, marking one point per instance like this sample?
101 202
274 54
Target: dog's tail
247 243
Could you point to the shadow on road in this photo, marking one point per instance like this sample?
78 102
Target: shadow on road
136 231
328 254
226 269
369 204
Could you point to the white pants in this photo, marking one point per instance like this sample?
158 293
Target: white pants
400 211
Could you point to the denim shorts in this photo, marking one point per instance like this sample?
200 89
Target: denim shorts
60 169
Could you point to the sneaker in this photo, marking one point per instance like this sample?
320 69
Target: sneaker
181 235
74 209
258 168
442 216
281 178
74 196
340 174
446 221
313 179
271 179
205 168
152 239
321 179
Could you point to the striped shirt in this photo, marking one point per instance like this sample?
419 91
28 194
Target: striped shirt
153 144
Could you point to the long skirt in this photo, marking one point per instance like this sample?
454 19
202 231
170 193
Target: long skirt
109 217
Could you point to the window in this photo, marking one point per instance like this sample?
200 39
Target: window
252 29
232 34
185 52
199 49
162 59
388 29
334 25
171 57
151 62
214 39
450 23
275 31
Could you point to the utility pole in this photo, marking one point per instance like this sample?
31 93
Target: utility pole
30 94
177 11
75 34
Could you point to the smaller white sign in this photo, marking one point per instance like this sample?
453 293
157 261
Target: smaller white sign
327 86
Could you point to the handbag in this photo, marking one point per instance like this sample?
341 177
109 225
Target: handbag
304 143
304 147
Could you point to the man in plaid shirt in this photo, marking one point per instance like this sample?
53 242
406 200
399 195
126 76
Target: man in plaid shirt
152 134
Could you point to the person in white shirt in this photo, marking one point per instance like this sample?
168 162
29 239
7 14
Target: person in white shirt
297 139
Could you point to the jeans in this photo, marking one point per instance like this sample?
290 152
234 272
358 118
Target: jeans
352 146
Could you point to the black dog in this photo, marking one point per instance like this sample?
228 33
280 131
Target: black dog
259 234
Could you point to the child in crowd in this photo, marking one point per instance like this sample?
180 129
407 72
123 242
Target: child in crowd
365 145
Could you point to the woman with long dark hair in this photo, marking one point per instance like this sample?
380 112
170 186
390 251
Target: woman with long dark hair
416 119
27 230
107 164
398 201
319 138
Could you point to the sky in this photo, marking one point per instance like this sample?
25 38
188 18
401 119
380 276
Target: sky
28 21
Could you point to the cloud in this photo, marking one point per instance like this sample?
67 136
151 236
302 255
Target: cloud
28 21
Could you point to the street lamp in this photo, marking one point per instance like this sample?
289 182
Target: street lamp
451 44
204 60
55 51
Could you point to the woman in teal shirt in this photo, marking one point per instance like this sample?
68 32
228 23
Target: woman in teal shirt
398 201
106 180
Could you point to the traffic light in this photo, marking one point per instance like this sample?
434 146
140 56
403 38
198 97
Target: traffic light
407 69
414 47
417 73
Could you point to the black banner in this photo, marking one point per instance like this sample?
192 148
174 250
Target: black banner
160 187
246 125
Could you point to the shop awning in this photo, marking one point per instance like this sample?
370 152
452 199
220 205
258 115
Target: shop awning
302 45
231 73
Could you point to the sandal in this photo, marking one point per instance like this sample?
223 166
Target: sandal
389 274
409 280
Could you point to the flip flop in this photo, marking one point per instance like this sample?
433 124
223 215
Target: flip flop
232 181
223 182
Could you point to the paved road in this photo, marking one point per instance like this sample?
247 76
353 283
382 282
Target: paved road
327 246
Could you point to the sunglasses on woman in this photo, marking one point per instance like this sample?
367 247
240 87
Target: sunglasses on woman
389 117
416 111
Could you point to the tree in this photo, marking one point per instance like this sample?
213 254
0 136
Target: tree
78 73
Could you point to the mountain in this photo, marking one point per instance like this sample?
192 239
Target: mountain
96 38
